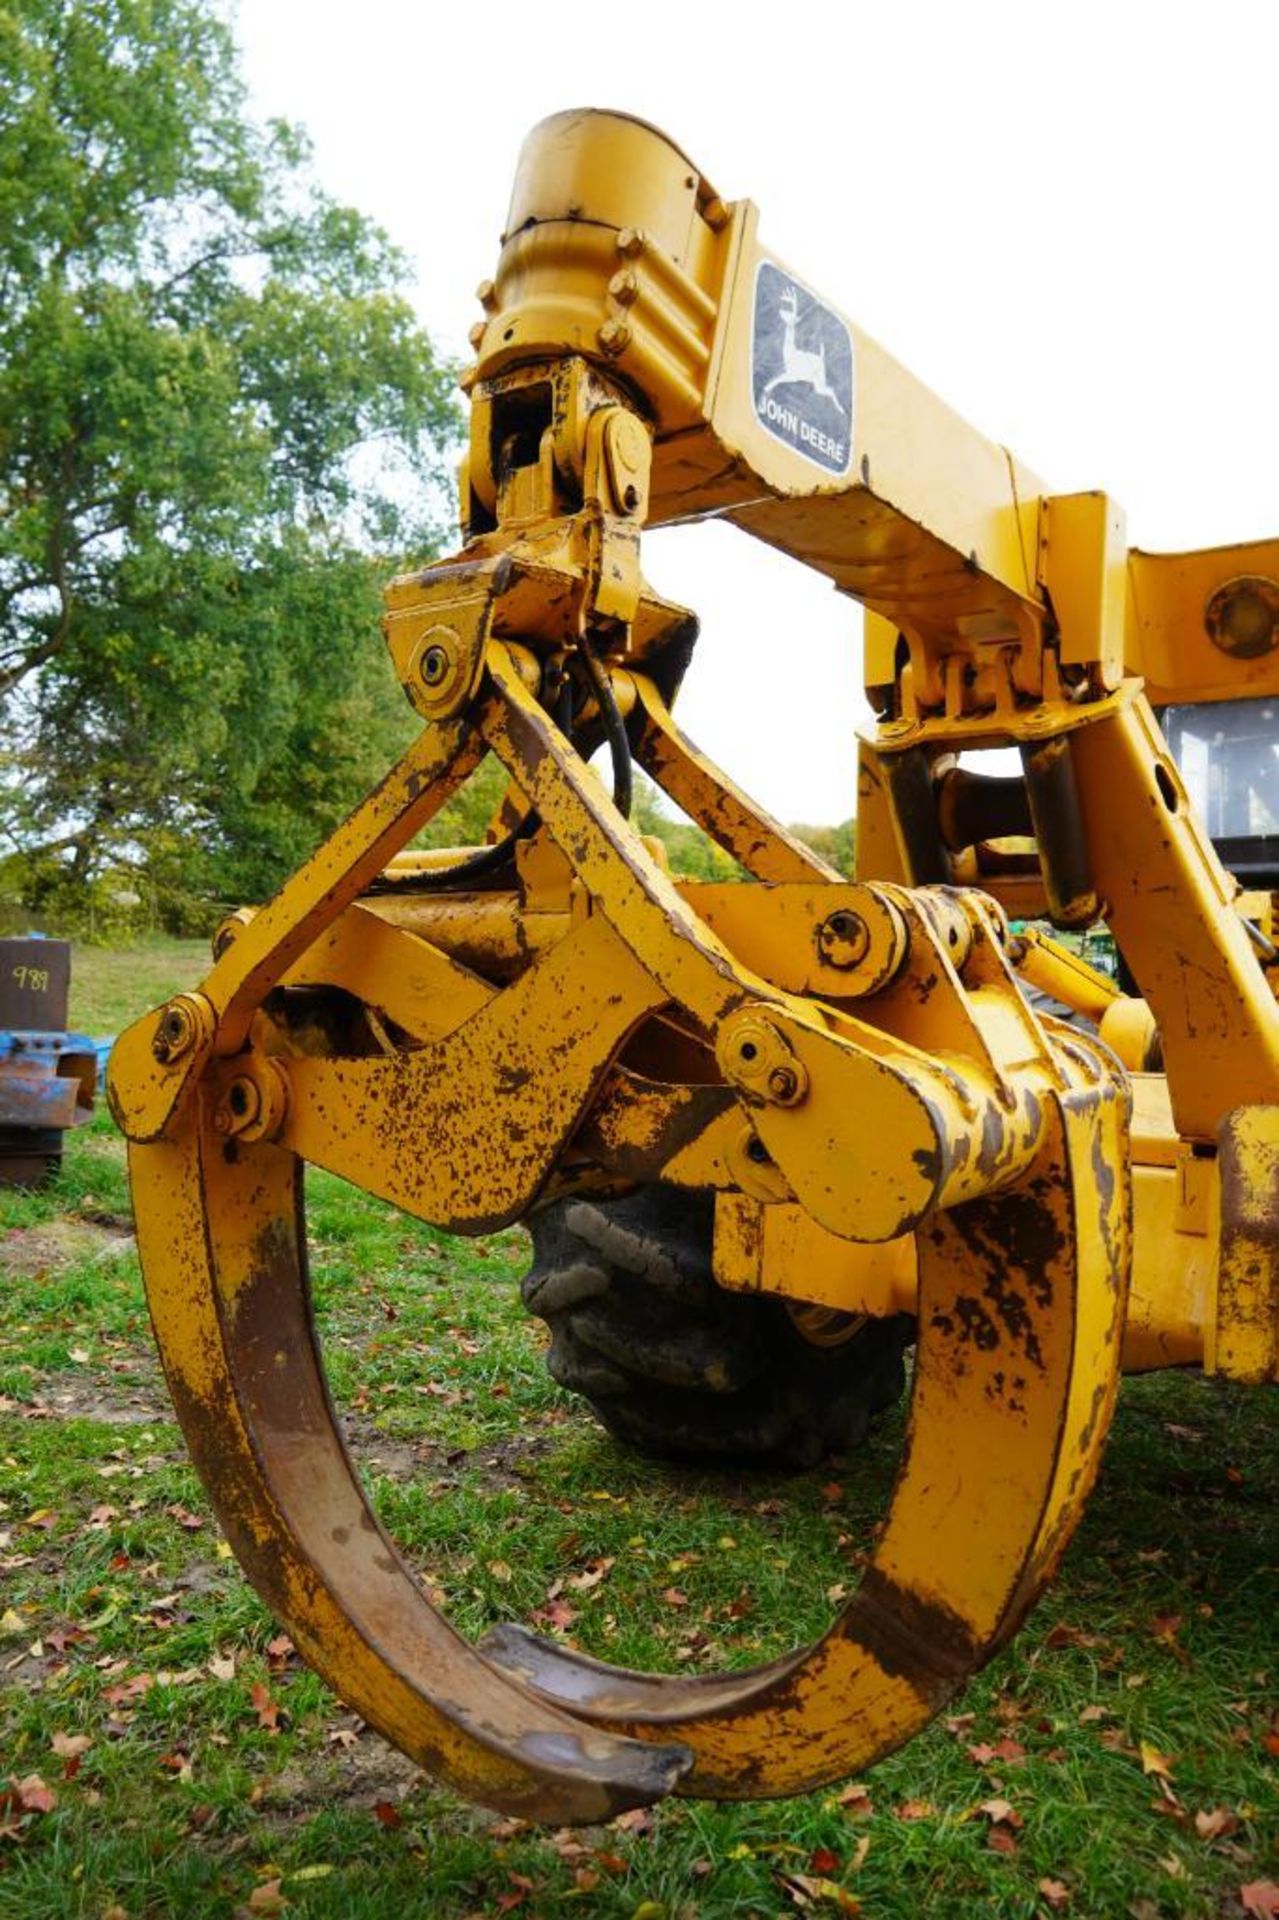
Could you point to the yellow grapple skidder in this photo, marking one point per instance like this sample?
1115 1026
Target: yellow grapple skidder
839 1096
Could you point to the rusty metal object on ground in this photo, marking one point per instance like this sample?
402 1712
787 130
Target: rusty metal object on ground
48 1077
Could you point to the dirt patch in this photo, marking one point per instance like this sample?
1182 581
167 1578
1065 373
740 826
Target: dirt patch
380 1456
133 1397
501 1465
512 1462
27 1251
361 1774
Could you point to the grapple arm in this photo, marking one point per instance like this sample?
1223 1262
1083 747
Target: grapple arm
471 1038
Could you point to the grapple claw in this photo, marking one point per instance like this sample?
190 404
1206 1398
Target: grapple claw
1021 1299
221 1241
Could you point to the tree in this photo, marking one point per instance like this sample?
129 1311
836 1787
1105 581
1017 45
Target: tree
836 845
220 425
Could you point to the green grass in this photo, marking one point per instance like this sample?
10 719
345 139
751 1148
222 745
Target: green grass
1160 1630
112 986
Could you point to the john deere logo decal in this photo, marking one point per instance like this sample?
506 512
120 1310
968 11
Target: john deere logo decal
802 371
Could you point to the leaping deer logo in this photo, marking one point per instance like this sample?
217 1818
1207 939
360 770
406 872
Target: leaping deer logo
801 367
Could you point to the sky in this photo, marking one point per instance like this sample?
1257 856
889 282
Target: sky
1061 217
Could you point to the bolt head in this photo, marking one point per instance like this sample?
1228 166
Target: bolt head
843 939
435 665
174 1035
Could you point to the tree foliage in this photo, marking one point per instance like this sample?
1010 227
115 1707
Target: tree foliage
219 425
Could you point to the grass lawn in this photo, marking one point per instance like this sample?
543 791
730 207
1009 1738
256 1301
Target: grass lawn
174 1758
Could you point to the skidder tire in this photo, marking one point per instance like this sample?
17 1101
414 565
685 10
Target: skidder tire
681 1369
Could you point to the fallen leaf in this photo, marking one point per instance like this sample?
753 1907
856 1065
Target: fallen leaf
672 1597
1002 1839
810 1890
265 1707
60 1638
556 1614
637 1820
1093 1712
1260 1899
388 1815
11 1621
222 1666
190 1522
129 1690
591 1575
320 1870
71 1745
823 1861
184 1677
1152 1761
1001 1812
1211 1823
34 1796
914 1810
267 1898
1055 1892
856 1801
1064 1635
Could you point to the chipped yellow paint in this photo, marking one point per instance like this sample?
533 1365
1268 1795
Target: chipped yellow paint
1247 1325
